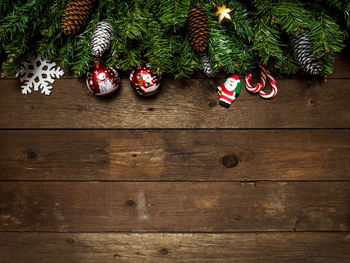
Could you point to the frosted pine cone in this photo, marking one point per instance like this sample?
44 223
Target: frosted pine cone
207 70
101 39
303 54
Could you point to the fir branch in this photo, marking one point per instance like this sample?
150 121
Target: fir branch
174 13
327 38
17 31
267 42
293 18
52 37
344 7
66 53
158 50
241 26
224 52
155 31
83 60
20 20
7 6
130 27
186 60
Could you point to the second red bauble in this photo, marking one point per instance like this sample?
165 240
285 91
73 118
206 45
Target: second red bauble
144 81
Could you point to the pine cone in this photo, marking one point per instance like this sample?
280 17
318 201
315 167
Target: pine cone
76 15
207 70
101 39
198 29
302 49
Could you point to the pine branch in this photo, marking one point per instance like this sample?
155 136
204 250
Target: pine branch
225 52
17 31
186 60
83 60
327 38
155 31
51 35
173 13
242 22
158 48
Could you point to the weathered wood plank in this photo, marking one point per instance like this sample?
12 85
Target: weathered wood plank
342 65
113 247
181 104
173 207
165 155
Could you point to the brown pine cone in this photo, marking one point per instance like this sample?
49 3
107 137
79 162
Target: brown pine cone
76 15
198 29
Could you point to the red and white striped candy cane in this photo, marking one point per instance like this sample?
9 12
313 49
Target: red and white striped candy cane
258 88
274 88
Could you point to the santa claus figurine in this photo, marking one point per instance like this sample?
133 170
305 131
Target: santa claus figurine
229 91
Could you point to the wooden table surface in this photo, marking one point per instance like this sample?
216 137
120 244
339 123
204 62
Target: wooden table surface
176 177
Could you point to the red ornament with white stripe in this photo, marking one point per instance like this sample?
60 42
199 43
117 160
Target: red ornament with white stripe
102 80
144 81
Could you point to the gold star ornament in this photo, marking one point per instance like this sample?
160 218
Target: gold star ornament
223 12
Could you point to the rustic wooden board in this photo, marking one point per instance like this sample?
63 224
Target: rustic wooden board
272 165
181 104
173 207
111 247
167 155
342 65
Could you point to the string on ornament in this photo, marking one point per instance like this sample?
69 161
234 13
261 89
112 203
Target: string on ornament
258 87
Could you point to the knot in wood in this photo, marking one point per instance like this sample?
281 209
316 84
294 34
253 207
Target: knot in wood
130 203
31 154
70 240
164 251
212 103
230 161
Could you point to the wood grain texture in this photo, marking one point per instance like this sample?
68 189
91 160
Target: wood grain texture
181 104
174 207
342 65
264 173
167 155
218 248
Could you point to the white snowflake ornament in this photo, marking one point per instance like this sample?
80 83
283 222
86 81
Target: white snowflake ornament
37 73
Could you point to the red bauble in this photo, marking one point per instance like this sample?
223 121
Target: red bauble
144 81
102 80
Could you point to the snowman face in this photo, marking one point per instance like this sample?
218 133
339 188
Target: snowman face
102 76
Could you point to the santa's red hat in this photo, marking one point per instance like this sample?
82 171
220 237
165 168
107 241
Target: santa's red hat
235 77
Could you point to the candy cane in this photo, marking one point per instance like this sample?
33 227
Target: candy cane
274 87
258 88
